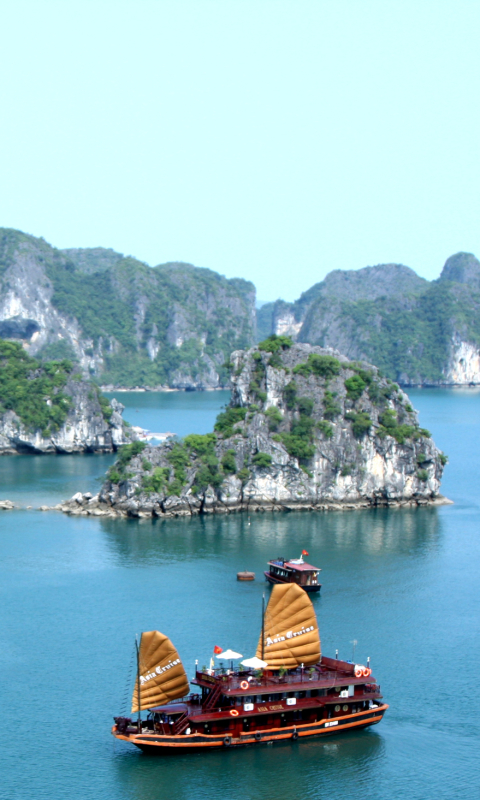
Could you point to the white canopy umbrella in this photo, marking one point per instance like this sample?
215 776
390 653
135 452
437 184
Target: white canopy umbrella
254 663
230 655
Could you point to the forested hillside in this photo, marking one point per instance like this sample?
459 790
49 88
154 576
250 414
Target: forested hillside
415 331
126 323
175 325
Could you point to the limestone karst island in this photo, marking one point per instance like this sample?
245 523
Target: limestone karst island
305 429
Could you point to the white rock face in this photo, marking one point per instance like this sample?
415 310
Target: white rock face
84 430
25 300
464 366
286 325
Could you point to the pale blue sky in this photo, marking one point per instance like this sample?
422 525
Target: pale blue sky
269 140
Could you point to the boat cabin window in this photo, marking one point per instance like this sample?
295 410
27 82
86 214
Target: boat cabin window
280 572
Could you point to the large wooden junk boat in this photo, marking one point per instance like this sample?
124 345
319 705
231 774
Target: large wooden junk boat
298 693
280 570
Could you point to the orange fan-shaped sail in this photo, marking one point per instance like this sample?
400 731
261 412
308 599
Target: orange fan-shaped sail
162 676
291 629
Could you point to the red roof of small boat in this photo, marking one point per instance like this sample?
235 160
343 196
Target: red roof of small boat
302 567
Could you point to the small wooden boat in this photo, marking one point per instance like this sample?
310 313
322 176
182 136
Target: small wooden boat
245 576
297 571
296 694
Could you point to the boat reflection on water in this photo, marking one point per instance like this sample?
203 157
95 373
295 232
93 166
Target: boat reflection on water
349 763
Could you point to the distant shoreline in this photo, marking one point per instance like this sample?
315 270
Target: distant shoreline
167 389
86 506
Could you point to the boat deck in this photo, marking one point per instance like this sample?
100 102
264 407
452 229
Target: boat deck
232 685
273 692
328 674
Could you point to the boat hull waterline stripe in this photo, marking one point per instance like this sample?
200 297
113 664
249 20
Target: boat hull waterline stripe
325 727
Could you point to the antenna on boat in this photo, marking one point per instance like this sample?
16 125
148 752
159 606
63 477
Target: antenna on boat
263 627
139 720
336 655
354 642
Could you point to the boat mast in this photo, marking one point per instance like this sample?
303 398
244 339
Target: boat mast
263 627
139 719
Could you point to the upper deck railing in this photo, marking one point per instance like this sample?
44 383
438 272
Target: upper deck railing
306 677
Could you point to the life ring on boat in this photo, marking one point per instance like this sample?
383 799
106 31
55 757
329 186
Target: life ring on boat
227 741
234 712
366 672
294 735
244 685
358 672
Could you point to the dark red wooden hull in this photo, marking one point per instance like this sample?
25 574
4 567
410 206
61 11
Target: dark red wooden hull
154 743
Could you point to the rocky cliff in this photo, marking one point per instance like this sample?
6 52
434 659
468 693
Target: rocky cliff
48 408
418 332
306 428
124 322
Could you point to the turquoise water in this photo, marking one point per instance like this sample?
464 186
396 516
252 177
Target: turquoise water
174 412
73 593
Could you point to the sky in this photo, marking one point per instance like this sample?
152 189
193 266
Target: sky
273 140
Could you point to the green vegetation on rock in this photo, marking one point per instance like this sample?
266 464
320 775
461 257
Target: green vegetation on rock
275 343
262 460
320 366
326 428
157 481
331 408
355 387
33 390
361 422
274 416
228 462
117 471
227 419
290 394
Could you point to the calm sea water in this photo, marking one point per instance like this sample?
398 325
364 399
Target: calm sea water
73 593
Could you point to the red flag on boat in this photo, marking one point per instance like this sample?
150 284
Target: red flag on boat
304 553
217 650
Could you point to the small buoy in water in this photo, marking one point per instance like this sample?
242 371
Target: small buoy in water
245 576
